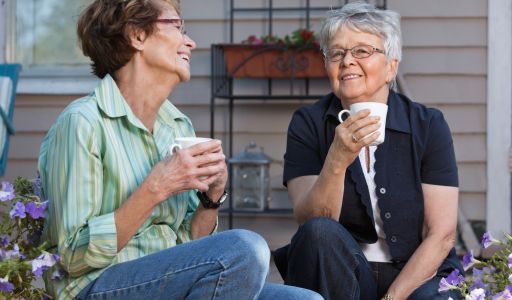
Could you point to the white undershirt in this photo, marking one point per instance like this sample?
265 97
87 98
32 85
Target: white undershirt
379 251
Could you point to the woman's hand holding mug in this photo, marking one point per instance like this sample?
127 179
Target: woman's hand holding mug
194 163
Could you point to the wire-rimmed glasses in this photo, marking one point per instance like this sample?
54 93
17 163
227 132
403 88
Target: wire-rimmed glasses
178 24
359 51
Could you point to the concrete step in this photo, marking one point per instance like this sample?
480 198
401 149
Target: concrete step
276 228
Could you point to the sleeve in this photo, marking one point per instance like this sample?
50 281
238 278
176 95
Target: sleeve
438 164
74 184
302 148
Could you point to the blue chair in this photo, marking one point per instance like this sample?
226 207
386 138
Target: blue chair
8 82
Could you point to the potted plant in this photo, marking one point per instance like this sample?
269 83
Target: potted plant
23 259
295 56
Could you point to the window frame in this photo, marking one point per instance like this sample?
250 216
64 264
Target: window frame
41 80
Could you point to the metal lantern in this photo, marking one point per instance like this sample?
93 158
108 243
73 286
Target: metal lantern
251 179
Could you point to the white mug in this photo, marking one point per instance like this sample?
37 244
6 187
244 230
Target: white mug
376 109
185 142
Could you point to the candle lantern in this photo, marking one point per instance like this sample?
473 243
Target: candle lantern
251 179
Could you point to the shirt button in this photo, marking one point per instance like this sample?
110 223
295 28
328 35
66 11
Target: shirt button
387 215
393 239
382 190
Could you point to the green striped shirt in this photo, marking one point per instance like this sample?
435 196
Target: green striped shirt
93 158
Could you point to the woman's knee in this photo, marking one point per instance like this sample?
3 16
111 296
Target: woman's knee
319 231
249 246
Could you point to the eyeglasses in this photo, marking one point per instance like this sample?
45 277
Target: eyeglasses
178 23
360 51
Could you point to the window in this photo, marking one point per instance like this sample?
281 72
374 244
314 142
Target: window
44 33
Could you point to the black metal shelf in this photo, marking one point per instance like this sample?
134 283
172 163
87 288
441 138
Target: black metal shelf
275 212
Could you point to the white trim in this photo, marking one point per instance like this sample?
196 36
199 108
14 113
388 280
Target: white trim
3 25
499 109
56 86
57 81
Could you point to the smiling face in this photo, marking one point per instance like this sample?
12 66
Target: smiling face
359 79
167 51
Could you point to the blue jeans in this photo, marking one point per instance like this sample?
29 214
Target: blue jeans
229 265
324 257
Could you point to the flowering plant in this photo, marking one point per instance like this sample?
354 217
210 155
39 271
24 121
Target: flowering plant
22 258
489 279
299 38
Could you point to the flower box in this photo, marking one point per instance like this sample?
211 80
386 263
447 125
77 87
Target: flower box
273 61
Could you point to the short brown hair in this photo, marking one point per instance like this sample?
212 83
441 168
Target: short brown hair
104 26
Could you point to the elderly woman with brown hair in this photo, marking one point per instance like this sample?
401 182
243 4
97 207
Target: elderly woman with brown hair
129 219
377 221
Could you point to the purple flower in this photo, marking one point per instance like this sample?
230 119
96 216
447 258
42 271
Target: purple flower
36 209
477 294
477 284
18 210
15 252
43 262
4 240
478 273
468 260
5 285
505 295
488 240
58 274
7 192
452 281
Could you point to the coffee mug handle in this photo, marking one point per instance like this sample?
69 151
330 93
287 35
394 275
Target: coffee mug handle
340 114
173 148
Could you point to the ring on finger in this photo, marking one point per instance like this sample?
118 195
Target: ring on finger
354 139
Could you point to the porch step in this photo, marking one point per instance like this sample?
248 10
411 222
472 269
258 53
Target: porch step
276 228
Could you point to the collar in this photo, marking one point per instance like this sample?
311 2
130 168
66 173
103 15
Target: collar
112 103
398 111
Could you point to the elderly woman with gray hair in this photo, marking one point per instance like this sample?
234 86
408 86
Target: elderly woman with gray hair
376 221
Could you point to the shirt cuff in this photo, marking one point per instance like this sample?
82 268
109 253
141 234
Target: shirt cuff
102 241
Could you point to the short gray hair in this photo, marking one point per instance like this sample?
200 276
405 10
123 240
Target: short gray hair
364 17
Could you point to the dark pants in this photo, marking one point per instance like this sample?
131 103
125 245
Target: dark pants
324 257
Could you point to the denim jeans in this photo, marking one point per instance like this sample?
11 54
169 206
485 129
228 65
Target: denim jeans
385 274
229 265
324 257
